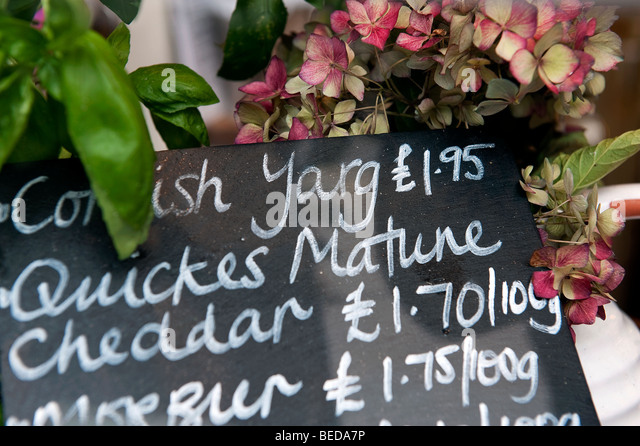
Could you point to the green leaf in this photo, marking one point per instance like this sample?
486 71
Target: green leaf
183 129
16 100
59 115
488 108
49 73
169 88
23 9
330 4
20 41
502 89
120 41
318 4
254 28
127 10
109 132
40 139
65 20
591 164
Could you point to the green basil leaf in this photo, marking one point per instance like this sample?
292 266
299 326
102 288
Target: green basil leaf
23 9
182 130
169 88
16 100
20 41
316 3
120 41
127 10
65 20
59 115
329 4
254 28
109 132
49 74
591 164
40 139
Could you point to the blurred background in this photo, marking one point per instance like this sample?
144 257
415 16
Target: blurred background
192 32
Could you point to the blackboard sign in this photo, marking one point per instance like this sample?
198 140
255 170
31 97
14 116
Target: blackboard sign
374 280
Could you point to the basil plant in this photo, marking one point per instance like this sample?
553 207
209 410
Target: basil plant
64 92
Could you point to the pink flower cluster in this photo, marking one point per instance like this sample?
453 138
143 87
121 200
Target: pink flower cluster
584 274
428 62
577 238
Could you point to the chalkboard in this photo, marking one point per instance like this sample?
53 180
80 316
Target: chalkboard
395 291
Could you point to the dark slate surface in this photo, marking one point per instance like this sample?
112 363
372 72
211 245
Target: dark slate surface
412 361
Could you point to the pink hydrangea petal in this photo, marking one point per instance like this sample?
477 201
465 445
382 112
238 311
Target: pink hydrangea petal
319 48
592 24
38 19
543 284
569 10
276 75
431 8
546 17
486 34
583 29
576 256
340 22
322 30
550 85
603 269
339 50
577 78
559 62
544 257
604 47
498 10
612 275
420 22
582 312
523 20
357 12
601 250
509 44
576 288
544 236
249 134
333 84
390 18
259 89
298 130
364 30
376 9
411 43
314 72
378 37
